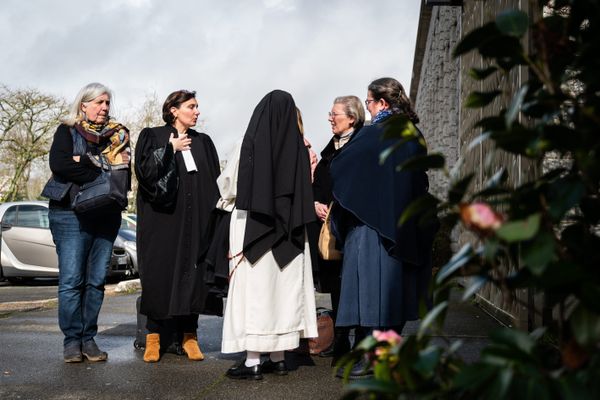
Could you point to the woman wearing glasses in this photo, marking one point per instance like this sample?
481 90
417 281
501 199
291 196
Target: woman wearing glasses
177 168
346 117
386 267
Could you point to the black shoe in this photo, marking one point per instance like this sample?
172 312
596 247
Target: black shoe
360 370
275 367
72 353
91 351
339 347
328 352
240 371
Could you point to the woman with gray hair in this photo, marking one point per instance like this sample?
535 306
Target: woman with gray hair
346 117
86 140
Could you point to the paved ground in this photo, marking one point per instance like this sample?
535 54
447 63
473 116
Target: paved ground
31 365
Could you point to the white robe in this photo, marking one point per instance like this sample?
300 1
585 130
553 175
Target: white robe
268 308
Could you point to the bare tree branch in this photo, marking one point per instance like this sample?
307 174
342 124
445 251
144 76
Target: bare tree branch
28 119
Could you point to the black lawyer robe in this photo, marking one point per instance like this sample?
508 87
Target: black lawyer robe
171 240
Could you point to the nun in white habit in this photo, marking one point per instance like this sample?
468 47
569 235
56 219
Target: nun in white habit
267 188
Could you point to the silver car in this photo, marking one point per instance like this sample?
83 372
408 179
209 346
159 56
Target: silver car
126 240
27 249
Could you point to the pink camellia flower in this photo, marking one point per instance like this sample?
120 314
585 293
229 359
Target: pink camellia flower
391 337
387 336
480 217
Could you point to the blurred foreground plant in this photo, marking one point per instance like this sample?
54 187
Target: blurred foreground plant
548 228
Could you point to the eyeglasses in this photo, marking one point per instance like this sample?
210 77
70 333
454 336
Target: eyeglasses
332 115
367 101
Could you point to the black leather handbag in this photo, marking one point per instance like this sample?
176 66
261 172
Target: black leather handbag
107 192
56 189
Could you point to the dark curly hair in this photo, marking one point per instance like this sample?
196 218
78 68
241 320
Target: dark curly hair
393 93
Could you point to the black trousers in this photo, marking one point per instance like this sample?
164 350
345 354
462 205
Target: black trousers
179 324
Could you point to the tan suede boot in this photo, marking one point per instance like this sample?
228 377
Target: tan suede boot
152 353
191 348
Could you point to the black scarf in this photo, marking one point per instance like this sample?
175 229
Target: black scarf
274 182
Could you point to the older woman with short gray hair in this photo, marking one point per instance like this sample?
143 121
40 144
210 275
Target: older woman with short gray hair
346 117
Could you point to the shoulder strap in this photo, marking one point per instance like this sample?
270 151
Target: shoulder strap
79 145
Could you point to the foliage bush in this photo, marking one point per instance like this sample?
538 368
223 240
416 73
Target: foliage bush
548 227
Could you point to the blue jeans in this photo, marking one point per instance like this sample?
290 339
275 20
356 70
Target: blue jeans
84 248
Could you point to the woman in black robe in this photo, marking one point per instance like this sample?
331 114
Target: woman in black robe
176 168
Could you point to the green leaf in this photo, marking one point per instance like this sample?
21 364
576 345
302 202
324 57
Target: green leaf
423 205
515 106
476 38
493 123
478 140
507 51
373 386
516 140
512 23
474 376
562 138
501 384
493 191
589 295
424 162
475 284
591 209
381 370
399 126
514 339
490 249
458 189
465 254
455 346
430 318
539 253
517 231
427 362
481 74
497 179
586 326
563 195
481 99
367 343
388 151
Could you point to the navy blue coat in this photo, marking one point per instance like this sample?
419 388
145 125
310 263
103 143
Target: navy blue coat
377 195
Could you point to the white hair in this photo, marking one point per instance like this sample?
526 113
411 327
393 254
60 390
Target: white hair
88 93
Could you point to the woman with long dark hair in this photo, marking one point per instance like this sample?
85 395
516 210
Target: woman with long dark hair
386 267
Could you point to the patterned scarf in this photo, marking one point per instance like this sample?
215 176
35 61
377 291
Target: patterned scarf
114 135
381 115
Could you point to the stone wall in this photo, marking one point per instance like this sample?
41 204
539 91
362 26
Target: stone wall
436 102
443 86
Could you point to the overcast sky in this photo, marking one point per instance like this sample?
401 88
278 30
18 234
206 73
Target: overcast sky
231 52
